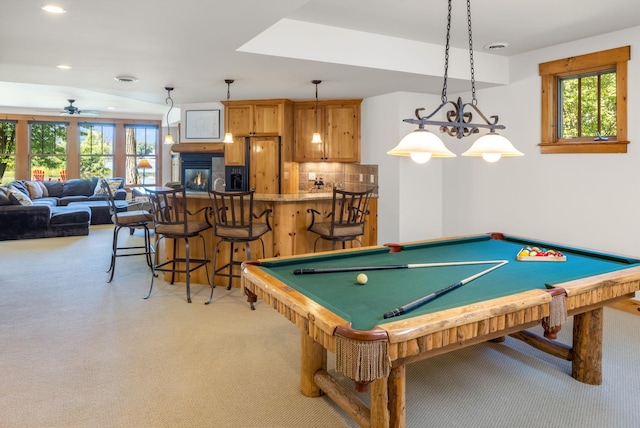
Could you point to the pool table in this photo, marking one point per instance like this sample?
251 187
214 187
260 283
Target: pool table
336 314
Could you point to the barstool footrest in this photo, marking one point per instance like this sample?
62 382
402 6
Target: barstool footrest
193 263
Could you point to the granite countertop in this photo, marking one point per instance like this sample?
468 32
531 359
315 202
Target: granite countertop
275 197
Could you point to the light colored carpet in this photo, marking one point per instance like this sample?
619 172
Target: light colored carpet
78 352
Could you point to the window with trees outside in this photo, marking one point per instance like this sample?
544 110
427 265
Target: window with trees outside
584 103
96 149
588 106
141 142
48 149
7 151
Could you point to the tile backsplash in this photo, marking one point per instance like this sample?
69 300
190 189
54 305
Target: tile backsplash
347 175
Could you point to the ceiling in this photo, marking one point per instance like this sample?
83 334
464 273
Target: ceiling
273 49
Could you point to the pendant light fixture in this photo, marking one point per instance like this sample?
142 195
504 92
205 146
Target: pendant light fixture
316 138
168 139
228 136
422 145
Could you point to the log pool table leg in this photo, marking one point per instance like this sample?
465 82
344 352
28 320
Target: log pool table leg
379 393
397 397
586 365
313 358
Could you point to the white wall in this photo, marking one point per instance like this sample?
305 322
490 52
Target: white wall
589 200
410 202
583 199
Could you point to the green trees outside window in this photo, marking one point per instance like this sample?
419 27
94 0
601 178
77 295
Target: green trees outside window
48 143
7 151
141 142
96 149
51 149
588 105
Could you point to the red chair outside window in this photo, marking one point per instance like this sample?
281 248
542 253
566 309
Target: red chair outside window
38 174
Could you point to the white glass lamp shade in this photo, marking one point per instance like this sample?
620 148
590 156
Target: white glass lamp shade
421 145
168 139
316 138
492 147
228 138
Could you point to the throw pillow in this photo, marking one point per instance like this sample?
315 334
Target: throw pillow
18 198
113 186
35 191
45 191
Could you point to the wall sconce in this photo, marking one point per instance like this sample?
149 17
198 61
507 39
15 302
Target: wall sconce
316 138
422 145
168 139
228 136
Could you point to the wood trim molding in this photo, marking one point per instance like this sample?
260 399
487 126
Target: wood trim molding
550 72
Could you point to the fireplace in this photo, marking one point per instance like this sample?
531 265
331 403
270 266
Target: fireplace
197 179
201 171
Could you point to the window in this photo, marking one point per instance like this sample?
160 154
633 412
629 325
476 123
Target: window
96 149
584 103
587 106
141 142
48 154
7 151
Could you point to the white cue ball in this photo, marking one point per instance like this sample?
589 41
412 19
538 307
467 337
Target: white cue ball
362 279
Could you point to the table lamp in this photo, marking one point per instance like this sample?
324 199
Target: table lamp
144 164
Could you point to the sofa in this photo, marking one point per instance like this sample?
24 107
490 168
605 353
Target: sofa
36 209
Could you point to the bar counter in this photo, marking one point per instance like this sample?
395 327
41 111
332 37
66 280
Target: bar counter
289 220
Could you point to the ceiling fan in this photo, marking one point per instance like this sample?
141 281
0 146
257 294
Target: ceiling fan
70 110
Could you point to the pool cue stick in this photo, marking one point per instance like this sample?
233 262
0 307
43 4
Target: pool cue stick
429 297
382 267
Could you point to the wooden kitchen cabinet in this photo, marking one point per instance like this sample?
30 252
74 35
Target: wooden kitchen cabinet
273 120
235 153
338 123
257 117
264 155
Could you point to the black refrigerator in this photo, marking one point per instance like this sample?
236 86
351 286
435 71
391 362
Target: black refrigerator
262 168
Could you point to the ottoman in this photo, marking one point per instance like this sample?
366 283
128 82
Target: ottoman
69 221
99 210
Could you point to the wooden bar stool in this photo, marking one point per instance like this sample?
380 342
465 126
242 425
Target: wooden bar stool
234 222
346 220
173 221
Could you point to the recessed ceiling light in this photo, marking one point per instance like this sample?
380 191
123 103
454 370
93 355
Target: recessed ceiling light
111 108
64 67
126 79
496 46
53 9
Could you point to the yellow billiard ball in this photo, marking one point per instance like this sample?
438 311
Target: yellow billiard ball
362 279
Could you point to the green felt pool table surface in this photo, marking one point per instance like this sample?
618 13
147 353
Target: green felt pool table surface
365 305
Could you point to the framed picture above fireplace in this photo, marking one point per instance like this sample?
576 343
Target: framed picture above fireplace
202 125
